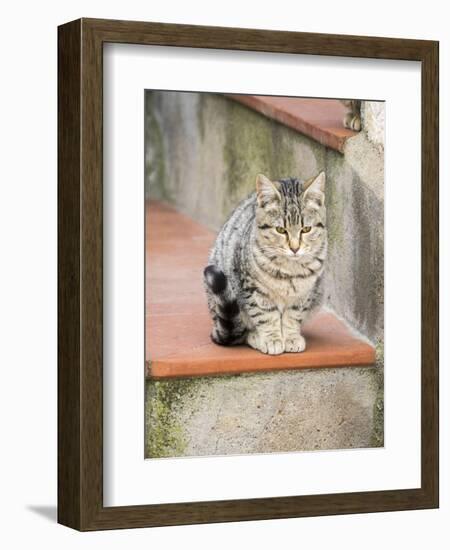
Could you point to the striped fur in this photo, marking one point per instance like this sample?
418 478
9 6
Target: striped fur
261 282
352 118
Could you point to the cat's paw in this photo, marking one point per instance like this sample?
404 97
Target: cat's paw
274 347
353 122
295 344
271 346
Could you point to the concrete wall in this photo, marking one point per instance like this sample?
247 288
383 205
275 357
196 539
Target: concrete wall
373 121
203 152
355 219
303 410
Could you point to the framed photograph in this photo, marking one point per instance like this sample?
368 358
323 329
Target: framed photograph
248 274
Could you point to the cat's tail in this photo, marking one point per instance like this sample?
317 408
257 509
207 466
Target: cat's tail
228 328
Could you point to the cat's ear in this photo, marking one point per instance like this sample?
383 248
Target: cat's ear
266 190
314 189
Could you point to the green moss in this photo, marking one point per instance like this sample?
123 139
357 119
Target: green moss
245 152
378 408
165 436
201 114
254 144
378 419
334 202
155 164
379 353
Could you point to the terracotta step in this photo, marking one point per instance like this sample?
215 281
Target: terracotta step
177 320
319 119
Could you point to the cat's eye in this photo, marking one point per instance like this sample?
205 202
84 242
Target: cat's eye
280 229
306 229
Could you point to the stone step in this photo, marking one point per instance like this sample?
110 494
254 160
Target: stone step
178 323
319 119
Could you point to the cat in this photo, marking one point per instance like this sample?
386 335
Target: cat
265 268
352 119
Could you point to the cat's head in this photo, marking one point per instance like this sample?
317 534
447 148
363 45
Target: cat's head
291 216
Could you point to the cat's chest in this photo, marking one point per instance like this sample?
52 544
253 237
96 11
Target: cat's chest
291 290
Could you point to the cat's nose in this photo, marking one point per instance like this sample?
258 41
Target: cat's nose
294 248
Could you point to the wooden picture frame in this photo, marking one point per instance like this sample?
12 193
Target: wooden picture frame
80 272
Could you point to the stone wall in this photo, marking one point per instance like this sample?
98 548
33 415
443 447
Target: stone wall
355 218
302 410
204 151
373 120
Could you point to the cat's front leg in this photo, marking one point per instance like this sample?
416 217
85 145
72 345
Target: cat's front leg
264 333
291 321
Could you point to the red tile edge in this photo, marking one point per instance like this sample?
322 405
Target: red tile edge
161 370
327 129
209 360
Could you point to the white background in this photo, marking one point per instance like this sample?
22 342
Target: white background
128 479
28 275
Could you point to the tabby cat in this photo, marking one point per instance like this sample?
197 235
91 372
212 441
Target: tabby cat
265 268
